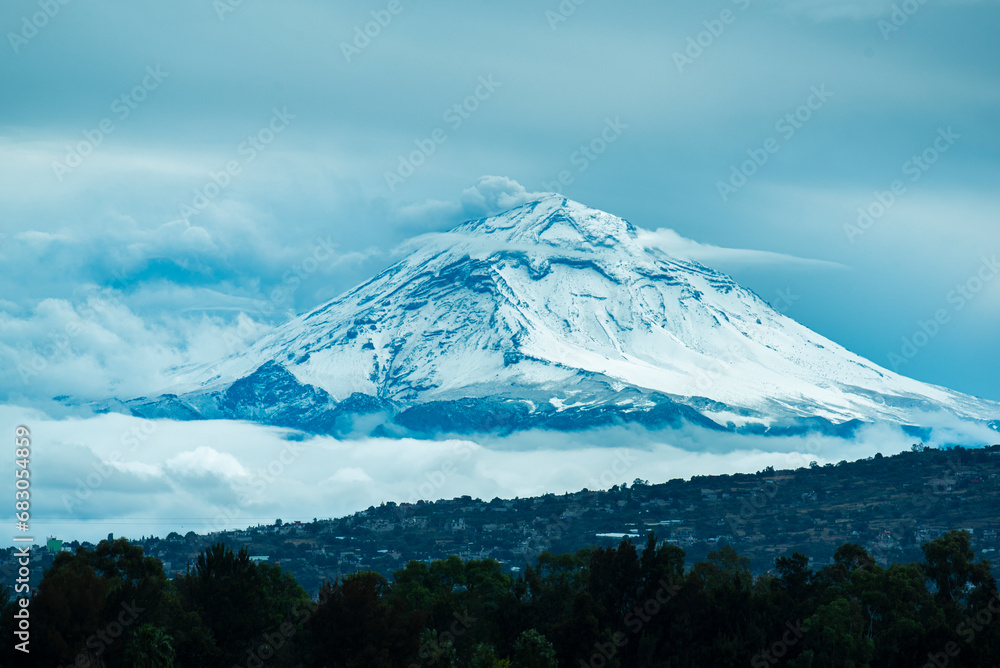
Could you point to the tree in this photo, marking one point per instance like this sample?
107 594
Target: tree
8 606
239 602
149 647
796 582
848 558
578 632
613 581
436 650
836 633
949 567
359 625
899 614
67 610
488 598
430 589
533 650
724 582
484 656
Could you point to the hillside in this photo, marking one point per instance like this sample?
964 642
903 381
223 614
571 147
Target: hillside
889 505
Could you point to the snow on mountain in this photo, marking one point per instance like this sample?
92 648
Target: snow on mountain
550 315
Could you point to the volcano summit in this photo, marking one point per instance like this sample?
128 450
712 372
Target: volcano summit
551 315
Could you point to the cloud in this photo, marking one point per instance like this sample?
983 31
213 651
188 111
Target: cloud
430 212
350 475
674 244
489 196
99 347
206 461
145 300
133 476
494 194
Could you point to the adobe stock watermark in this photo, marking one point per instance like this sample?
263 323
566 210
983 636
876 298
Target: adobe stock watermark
915 168
323 251
97 643
22 589
967 630
60 339
559 525
899 17
774 653
787 126
583 157
748 510
920 510
435 480
958 298
260 479
436 647
86 485
763 495
249 149
714 28
121 108
562 13
717 367
812 447
635 620
455 116
30 26
364 34
619 466
223 7
785 300
260 654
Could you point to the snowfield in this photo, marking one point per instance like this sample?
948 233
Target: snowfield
554 315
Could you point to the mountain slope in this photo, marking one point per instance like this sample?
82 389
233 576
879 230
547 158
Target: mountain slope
553 315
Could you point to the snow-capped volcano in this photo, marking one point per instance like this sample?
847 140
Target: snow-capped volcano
550 315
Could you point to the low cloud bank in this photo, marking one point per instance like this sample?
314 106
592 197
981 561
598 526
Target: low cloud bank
118 474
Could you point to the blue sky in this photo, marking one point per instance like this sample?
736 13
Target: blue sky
166 166
313 115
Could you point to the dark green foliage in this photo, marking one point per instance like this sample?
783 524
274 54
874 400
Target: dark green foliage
357 624
239 602
612 607
68 610
533 650
149 647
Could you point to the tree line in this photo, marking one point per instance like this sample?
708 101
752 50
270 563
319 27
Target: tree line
599 608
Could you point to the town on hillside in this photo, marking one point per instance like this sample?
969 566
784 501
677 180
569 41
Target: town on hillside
888 505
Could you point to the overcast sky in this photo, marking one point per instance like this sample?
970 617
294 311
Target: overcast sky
164 166
182 85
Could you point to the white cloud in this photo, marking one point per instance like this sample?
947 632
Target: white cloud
493 194
430 211
489 196
132 476
350 475
674 244
100 348
204 460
